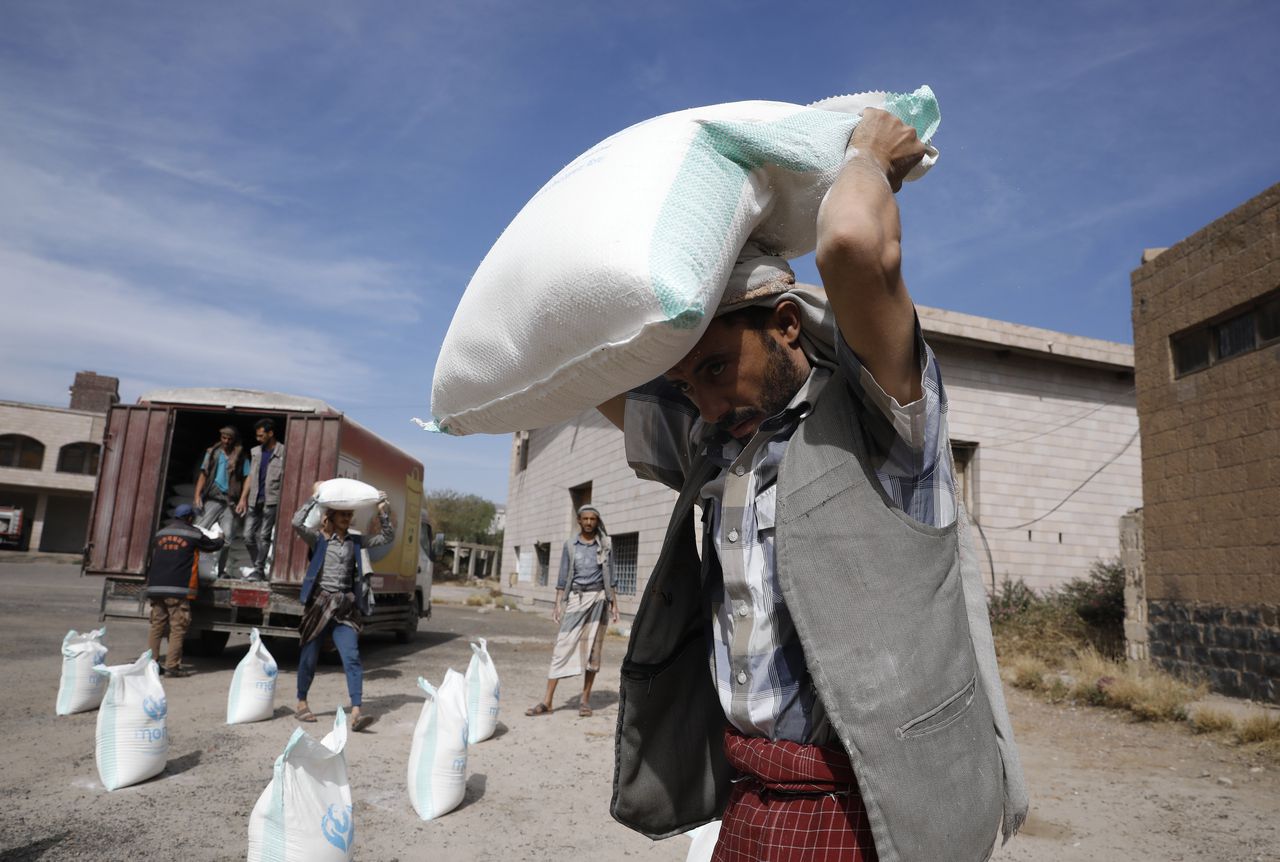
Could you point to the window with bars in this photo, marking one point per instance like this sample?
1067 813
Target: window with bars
626 549
1241 331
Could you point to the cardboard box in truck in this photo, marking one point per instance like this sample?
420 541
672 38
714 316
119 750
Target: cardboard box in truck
151 456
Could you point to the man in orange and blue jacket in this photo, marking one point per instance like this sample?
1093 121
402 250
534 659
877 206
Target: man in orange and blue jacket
172 581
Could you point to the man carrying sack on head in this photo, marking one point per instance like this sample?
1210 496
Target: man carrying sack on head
853 709
587 579
335 595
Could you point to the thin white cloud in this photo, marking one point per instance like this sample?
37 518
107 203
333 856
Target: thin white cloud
209 179
62 316
77 212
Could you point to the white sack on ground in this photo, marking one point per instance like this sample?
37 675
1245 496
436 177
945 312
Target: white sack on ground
81 687
483 693
133 735
438 758
610 274
353 494
305 814
253 686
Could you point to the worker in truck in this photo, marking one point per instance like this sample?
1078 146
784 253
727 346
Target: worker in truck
172 581
260 497
218 489
335 594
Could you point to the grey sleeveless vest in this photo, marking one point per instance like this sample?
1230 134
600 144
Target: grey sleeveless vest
892 617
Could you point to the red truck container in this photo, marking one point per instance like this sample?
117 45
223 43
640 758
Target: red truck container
151 453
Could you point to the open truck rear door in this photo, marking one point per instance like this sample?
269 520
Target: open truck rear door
125 514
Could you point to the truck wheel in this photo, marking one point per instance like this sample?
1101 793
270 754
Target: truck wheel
208 645
410 631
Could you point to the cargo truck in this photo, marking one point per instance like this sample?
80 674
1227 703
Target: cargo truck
151 454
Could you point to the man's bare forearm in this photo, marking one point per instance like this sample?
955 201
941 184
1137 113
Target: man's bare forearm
859 254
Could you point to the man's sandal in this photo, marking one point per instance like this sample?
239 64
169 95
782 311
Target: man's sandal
361 723
584 712
540 709
306 715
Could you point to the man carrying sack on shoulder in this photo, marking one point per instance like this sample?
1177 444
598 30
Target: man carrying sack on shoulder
853 708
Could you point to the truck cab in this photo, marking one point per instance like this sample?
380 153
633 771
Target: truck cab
10 527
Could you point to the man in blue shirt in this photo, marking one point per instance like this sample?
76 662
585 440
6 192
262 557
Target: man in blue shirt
218 488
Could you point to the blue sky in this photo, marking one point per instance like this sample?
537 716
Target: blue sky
292 196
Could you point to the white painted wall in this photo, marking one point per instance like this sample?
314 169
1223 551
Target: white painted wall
1042 426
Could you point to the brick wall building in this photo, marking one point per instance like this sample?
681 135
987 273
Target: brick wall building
49 464
1206 324
1033 413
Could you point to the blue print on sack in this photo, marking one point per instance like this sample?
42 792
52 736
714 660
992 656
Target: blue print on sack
338 827
155 709
270 669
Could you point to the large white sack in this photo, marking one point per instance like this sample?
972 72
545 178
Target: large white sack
305 813
483 693
352 494
133 736
81 687
253 686
438 758
704 840
610 274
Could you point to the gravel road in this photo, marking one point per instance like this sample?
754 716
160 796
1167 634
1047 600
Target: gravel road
1103 788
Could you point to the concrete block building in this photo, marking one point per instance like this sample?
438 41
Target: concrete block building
49 464
1044 434
1206 325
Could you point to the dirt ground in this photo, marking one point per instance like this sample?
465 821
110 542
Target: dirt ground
1103 788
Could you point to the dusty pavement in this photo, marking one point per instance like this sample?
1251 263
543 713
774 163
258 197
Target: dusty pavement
1103 788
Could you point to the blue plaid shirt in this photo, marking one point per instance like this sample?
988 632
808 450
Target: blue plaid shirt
757 661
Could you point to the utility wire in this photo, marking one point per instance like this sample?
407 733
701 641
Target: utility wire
998 444
1064 500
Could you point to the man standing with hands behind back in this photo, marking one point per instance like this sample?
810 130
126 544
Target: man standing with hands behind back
587 583
260 498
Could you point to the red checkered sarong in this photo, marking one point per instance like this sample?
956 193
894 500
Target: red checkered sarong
792 803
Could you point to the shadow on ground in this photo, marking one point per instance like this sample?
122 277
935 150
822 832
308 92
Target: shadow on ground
33 851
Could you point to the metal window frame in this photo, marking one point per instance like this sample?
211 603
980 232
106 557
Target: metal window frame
1210 327
627 585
